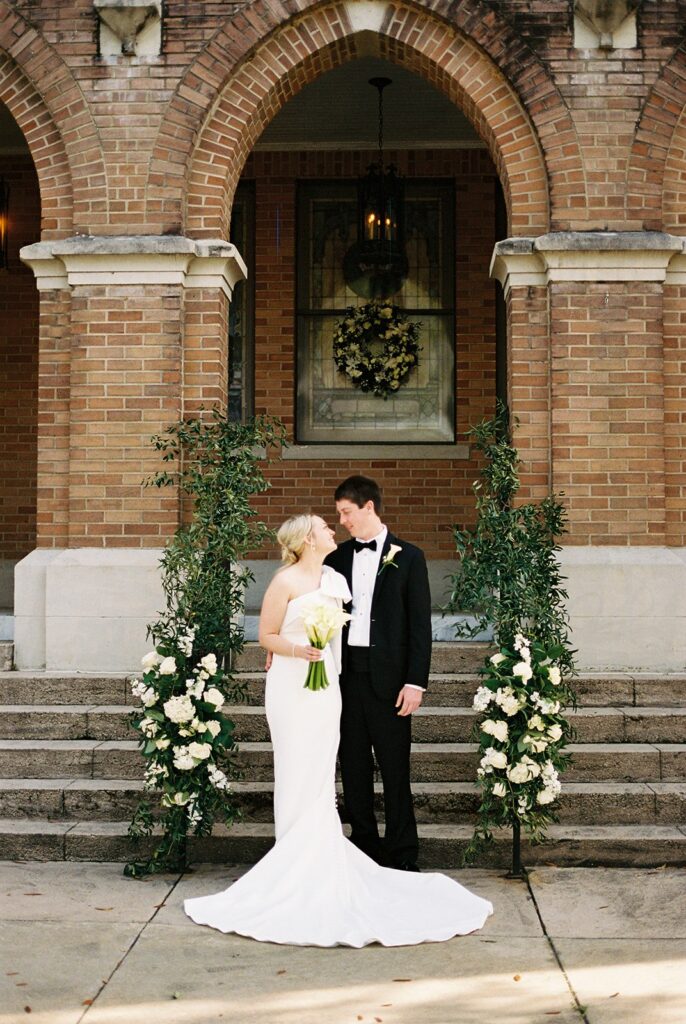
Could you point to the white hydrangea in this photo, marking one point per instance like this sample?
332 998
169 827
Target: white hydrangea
521 644
548 707
214 696
217 777
183 760
546 796
167 667
209 663
482 698
506 700
138 687
179 708
536 723
494 758
497 729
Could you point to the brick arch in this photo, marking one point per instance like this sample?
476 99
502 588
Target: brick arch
45 100
656 173
269 55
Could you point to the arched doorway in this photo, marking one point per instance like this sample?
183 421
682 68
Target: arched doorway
18 363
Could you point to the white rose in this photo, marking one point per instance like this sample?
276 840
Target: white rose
522 669
536 723
199 750
510 705
148 697
533 767
163 743
209 663
546 796
497 729
497 658
148 727
495 758
150 659
535 743
167 667
179 709
499 789
518 773
213 696
182 759
555 732
213 727
554 675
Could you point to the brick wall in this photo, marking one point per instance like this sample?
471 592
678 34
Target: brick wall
423 498
18 365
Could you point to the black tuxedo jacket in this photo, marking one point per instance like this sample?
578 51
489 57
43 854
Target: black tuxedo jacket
400 628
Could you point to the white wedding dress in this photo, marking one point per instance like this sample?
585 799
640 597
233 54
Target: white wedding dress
314 888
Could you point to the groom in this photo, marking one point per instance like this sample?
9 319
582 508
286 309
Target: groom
386 656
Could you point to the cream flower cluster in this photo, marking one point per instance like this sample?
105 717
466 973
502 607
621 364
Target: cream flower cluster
520 728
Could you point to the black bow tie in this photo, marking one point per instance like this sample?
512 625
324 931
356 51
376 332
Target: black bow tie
360 545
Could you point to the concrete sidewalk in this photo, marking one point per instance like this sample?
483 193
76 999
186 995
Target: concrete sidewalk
82 943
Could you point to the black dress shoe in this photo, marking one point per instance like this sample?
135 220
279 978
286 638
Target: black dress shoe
406 866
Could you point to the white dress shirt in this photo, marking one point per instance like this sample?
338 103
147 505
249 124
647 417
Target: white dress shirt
365 571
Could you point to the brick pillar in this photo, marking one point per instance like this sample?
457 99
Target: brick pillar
124 353
608 350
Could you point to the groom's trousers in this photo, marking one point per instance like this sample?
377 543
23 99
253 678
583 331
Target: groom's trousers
371 727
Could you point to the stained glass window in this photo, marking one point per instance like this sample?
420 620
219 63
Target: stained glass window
330 409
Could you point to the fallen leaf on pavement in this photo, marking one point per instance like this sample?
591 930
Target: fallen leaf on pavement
613 995
517 977
11 974
103 908
552 1013
402 979
21 984
87 1002
33 894
27 1009
282 972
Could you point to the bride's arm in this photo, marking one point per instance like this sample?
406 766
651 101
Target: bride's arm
272 615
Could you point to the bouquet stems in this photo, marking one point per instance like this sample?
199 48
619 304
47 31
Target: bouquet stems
316 675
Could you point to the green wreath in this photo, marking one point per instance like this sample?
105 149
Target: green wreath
356 341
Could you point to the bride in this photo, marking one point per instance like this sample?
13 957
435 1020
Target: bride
314 888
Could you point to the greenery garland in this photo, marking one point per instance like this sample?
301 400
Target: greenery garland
356 347
186 738
509 579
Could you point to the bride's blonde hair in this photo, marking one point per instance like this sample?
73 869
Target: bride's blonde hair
292 537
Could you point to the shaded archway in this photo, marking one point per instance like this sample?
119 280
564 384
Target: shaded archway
271 55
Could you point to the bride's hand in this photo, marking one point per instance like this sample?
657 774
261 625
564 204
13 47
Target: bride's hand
308 653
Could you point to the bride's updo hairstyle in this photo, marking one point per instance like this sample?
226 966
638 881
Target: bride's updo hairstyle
292 537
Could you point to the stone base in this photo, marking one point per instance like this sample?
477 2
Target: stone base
627 607
86 609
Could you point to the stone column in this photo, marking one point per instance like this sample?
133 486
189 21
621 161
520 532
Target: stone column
610 367
113 372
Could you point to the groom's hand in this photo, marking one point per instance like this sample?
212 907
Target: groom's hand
408 700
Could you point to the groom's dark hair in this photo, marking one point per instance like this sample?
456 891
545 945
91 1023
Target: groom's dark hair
360 489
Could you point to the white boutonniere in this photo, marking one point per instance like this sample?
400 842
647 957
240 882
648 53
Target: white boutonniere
389 558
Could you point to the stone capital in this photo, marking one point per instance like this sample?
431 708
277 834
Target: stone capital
136 260
592 256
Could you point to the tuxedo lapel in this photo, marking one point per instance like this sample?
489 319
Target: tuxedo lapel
380 575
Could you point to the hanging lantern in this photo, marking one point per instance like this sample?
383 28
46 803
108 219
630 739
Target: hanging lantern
4 217
376 266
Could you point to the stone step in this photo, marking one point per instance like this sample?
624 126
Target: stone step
461 656
6 655
441 846
431 762
429 724
589 803
445 689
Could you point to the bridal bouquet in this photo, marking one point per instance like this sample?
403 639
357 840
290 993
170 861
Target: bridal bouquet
322 622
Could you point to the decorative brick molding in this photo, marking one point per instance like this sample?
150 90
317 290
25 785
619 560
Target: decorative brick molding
46 101
465 51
